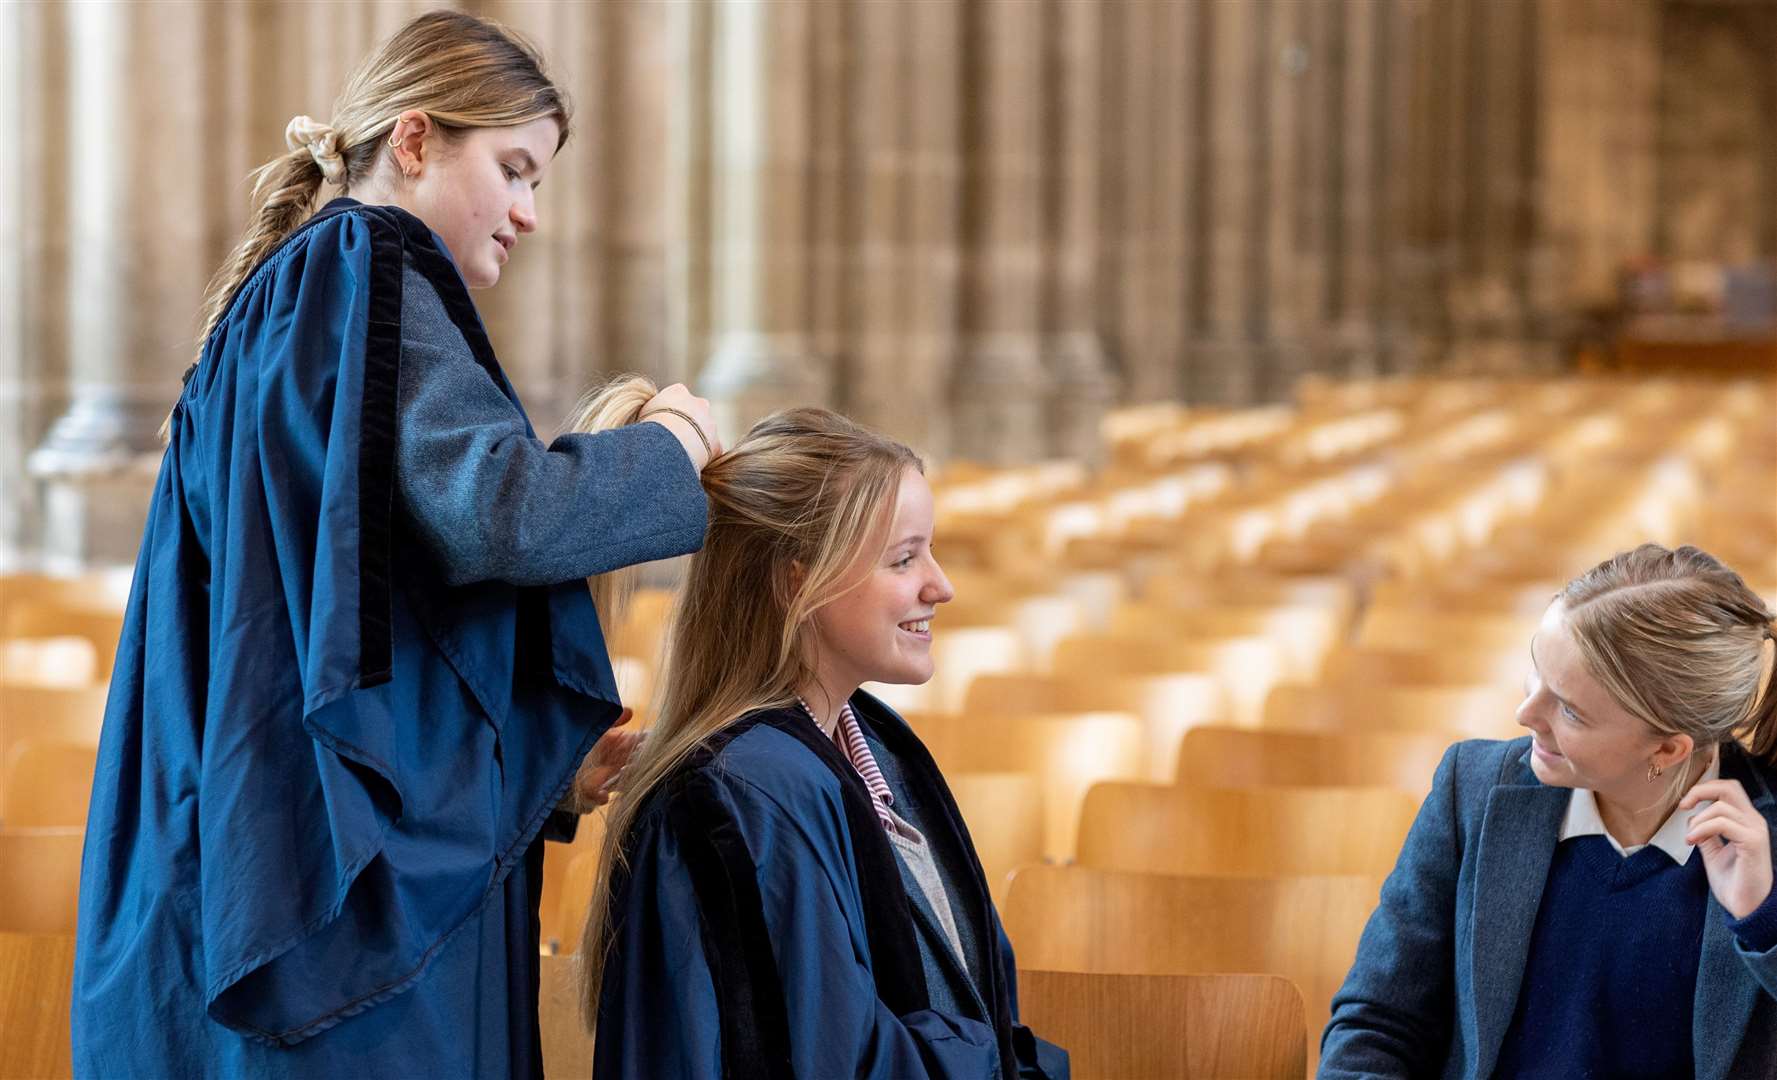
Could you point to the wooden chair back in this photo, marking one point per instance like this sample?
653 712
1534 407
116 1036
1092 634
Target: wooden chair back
1065 752
66 662
1168 705
36 992
1245 666
567 885
101 628
1413 627
39 879
567 1045
1221 757
1252 833
1473 711
46 784
1428 666
1131 1027
1304 928
1004 815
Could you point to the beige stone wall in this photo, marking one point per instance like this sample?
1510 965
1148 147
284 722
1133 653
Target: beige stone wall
973 223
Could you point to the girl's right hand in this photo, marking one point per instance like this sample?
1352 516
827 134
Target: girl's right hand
695 430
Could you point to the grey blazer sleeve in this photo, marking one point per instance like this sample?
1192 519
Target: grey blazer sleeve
494 503
1393 1015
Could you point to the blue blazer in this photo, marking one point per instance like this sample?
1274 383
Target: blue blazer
1436 979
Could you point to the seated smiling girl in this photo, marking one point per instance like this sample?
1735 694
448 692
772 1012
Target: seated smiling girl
786 887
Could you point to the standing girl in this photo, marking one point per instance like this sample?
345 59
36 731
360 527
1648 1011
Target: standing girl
360 664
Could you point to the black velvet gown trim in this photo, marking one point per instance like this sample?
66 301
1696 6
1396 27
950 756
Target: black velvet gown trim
393 233
926 783
754 1021
888 914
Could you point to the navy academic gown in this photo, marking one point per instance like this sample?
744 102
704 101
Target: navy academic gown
762 928
312 847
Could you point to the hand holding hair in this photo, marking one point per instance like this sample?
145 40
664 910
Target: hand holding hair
1736 844
690 420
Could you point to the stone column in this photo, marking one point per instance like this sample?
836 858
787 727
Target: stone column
762 108
1000 392
1228 348
1601 65
1358 284
1286 314
1084 386
137 263
931 106
30 75
885 382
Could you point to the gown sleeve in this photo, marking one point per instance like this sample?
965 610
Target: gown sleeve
493 502
784 908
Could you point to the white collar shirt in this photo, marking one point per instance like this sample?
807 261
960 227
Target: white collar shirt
1583 819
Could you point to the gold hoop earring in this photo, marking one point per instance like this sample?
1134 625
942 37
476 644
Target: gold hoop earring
1653 772
394 140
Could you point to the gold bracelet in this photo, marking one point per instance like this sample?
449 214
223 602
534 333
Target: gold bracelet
708 451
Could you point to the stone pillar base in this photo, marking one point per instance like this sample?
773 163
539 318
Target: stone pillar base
1223 372
1000 403
1084 390
94 518
95 471
750 376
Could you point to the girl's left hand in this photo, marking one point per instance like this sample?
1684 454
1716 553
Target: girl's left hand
599 772
1736 844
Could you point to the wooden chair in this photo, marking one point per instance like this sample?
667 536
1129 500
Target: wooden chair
39 879
1004 814
960 654
1412 628
1168 705
1303 928
36 992
1066 752
1221 757
1470 711
101 628
46 784
106 591
1246 666
1254 833
67 662
1136 1027
1303 634
641 632
62 714
1428 666
567 1045
567 885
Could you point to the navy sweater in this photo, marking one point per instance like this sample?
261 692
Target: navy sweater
1612 972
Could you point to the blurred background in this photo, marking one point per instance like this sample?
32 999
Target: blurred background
1277 360
978 224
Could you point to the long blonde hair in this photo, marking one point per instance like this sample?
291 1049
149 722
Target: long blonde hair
462 71
798 509
1681 643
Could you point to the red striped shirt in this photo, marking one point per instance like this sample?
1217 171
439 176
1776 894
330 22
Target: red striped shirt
849 737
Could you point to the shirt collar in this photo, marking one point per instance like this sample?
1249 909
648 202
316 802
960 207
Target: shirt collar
1583 820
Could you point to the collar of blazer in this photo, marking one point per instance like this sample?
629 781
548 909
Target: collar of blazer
1517 844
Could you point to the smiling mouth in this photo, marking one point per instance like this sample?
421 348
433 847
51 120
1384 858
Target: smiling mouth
1543 750
918 626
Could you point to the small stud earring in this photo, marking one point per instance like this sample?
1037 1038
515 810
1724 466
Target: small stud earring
1653 772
